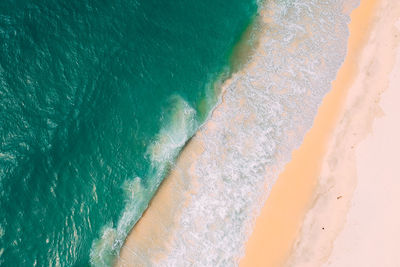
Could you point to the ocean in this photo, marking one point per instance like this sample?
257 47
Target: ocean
97 98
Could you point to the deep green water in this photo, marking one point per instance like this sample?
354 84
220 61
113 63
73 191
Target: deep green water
96 100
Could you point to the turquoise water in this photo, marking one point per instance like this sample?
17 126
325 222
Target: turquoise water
96 100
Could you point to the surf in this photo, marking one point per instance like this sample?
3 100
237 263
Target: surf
265 111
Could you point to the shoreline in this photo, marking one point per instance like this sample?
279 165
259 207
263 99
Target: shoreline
278 225
263 114
357 194
149 233
182 178
145 232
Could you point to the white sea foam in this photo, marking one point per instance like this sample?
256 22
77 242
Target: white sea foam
162 152
171 138
267 109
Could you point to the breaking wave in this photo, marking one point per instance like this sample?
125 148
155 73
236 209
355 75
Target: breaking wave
138 192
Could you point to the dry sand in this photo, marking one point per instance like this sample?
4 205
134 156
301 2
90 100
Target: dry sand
361 165
372 229
323 173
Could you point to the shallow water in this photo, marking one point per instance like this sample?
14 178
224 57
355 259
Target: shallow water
96 100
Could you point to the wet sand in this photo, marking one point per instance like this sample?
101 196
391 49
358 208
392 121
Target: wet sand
317 185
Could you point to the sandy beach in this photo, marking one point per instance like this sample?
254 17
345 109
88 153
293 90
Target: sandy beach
307 208
372 223
361 227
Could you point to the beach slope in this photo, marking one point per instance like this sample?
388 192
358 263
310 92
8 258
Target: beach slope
308 204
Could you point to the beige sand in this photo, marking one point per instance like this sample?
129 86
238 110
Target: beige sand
361 160
372 230
278 225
